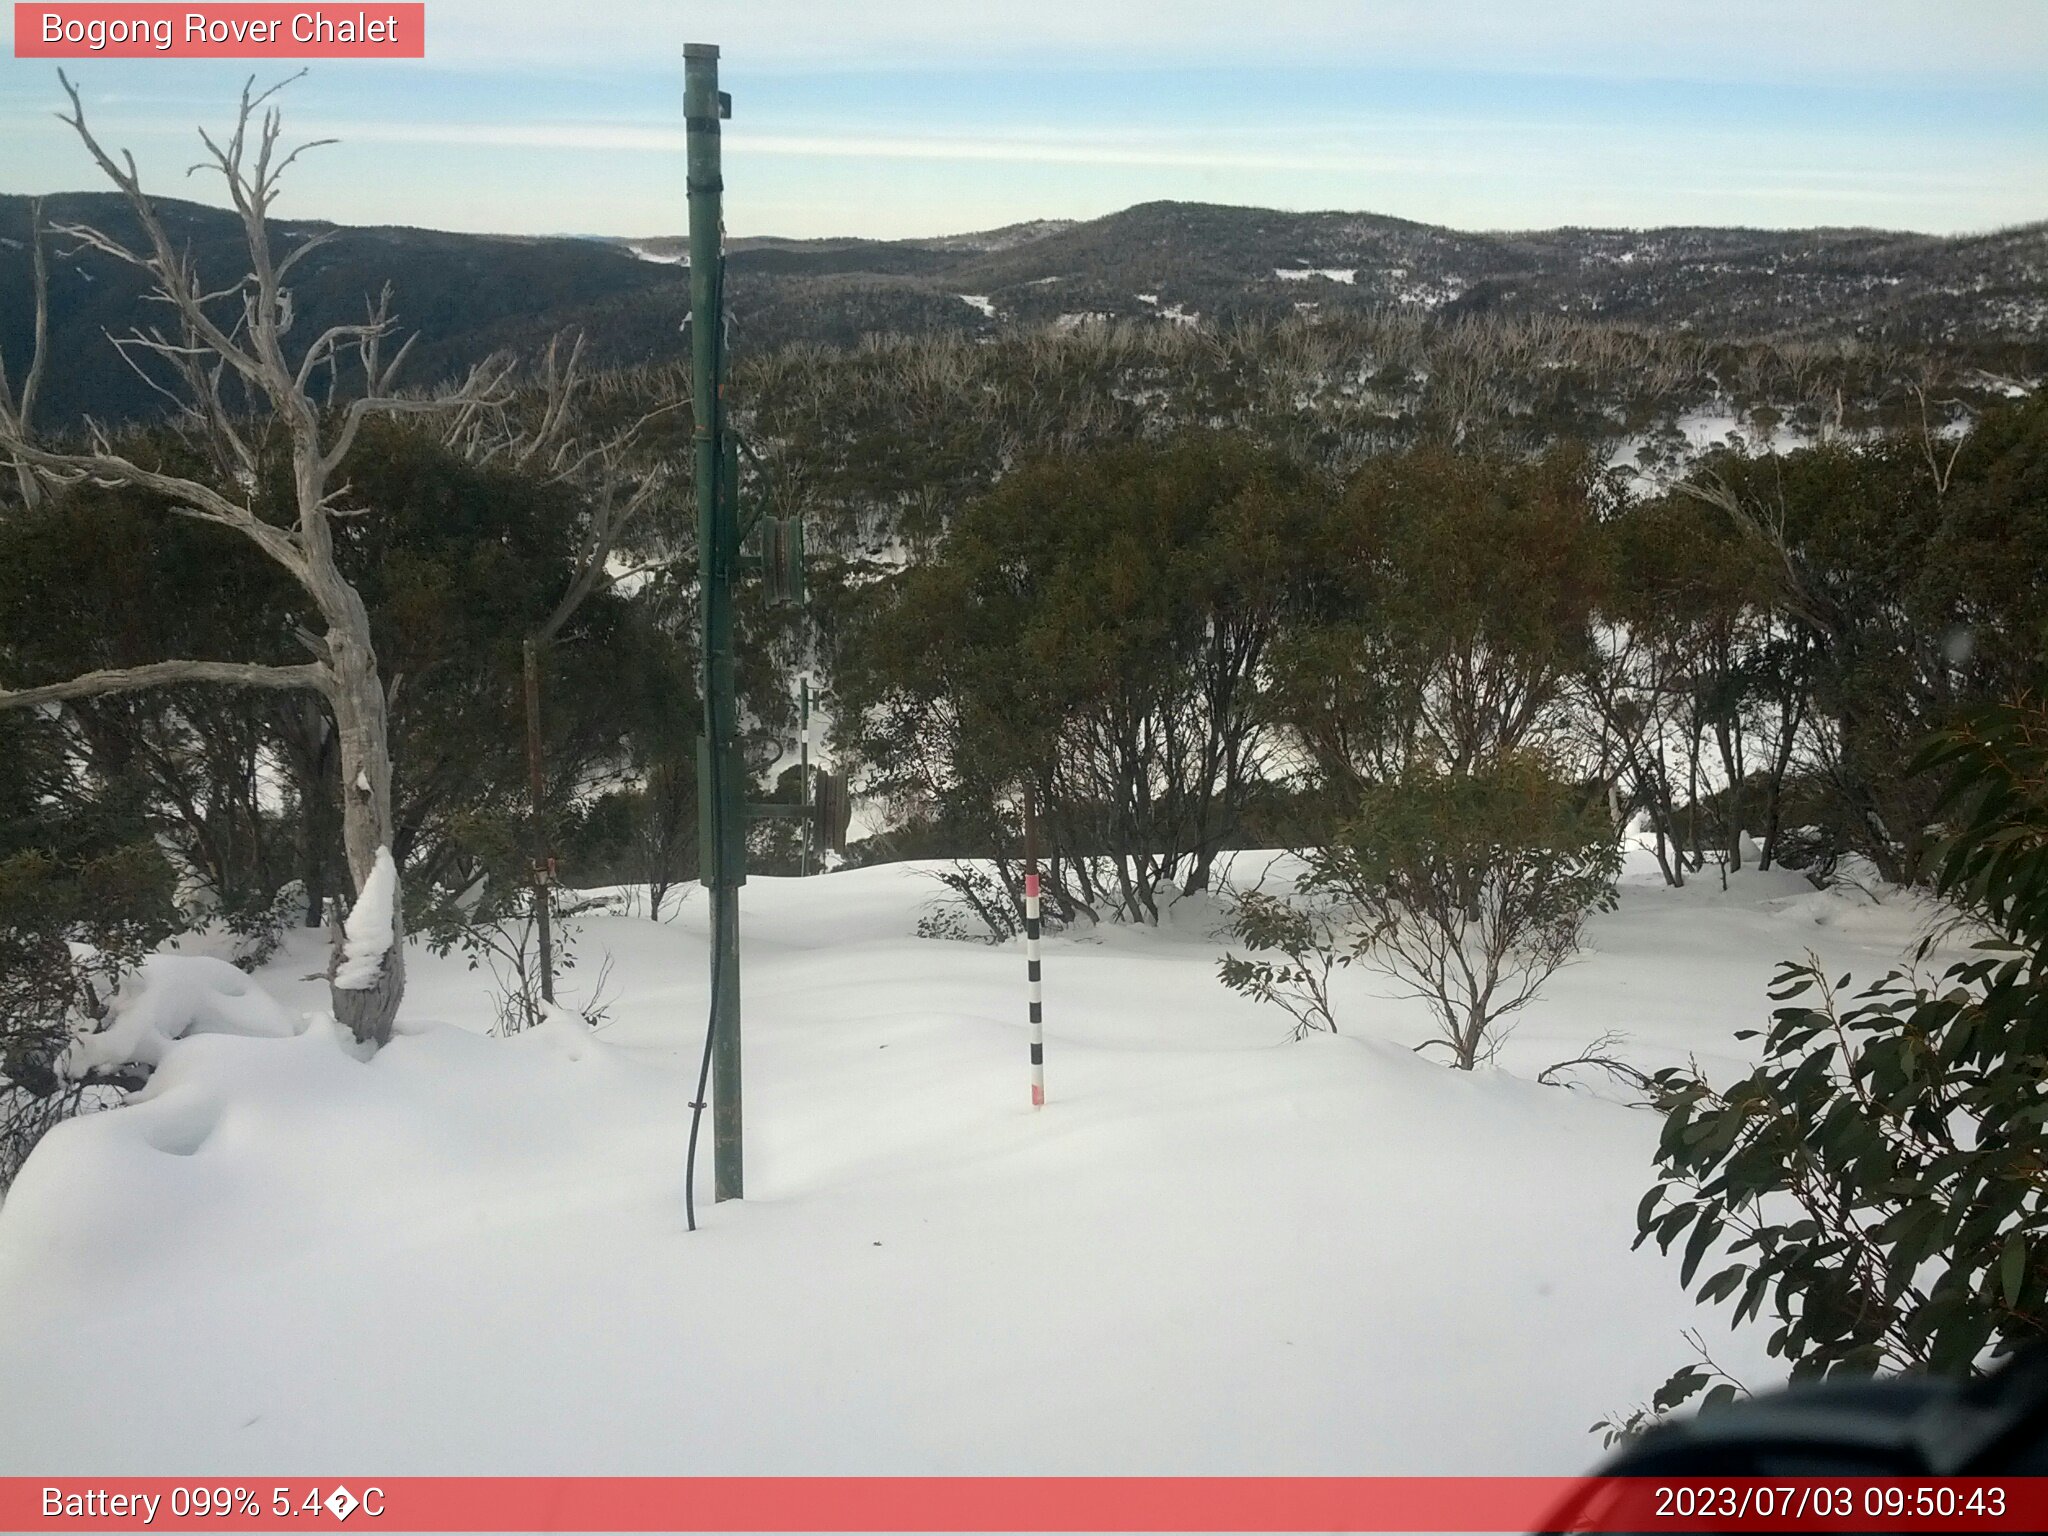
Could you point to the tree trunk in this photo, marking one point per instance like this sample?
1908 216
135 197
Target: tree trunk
361 717
1774 789
1467 1044
309 751
316 829
1663 824
1731 766
367 1013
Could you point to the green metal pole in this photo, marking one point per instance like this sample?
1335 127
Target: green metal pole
719 787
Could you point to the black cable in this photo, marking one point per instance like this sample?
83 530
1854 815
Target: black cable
703 1079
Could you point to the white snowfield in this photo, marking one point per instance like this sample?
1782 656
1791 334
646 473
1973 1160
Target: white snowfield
1217 1250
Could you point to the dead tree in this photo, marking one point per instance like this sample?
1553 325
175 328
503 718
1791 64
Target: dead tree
230 345
18 411
615 485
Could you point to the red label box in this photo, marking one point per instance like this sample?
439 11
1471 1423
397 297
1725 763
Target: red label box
1680 1506
372 30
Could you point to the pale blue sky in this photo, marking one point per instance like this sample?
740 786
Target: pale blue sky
907 117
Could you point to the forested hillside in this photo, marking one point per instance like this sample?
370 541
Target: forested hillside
1968 303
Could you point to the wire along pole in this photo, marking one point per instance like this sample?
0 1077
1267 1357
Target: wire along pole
543 859
1031 949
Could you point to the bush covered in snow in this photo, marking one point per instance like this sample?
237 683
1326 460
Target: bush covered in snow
81 899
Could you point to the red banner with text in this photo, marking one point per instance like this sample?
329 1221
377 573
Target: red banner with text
1024 1504
376 31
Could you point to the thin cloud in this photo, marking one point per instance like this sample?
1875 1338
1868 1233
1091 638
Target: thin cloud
1023 149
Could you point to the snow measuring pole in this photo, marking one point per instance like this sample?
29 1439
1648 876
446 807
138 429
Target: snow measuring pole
1031 921
803 773
721 778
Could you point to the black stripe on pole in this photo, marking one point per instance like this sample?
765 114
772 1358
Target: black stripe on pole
1037 1055
1036 1019
1031 967
1031 928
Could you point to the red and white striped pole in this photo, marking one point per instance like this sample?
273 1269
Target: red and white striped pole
1031 950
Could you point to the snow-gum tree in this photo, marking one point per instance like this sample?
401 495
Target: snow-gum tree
250 396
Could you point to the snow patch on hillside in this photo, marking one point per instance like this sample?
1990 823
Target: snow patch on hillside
1431 295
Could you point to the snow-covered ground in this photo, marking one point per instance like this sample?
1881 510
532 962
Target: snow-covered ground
1216 1250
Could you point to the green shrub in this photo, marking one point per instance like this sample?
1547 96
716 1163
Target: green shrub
1880 1181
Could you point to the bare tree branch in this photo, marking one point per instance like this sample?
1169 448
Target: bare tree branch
485 380
608 525
160 674
1941 472
1798 593
193 498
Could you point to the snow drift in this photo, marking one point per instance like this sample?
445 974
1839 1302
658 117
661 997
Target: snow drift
1216 1250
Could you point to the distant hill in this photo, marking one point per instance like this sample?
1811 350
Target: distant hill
1163 262
464 294
1224 263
